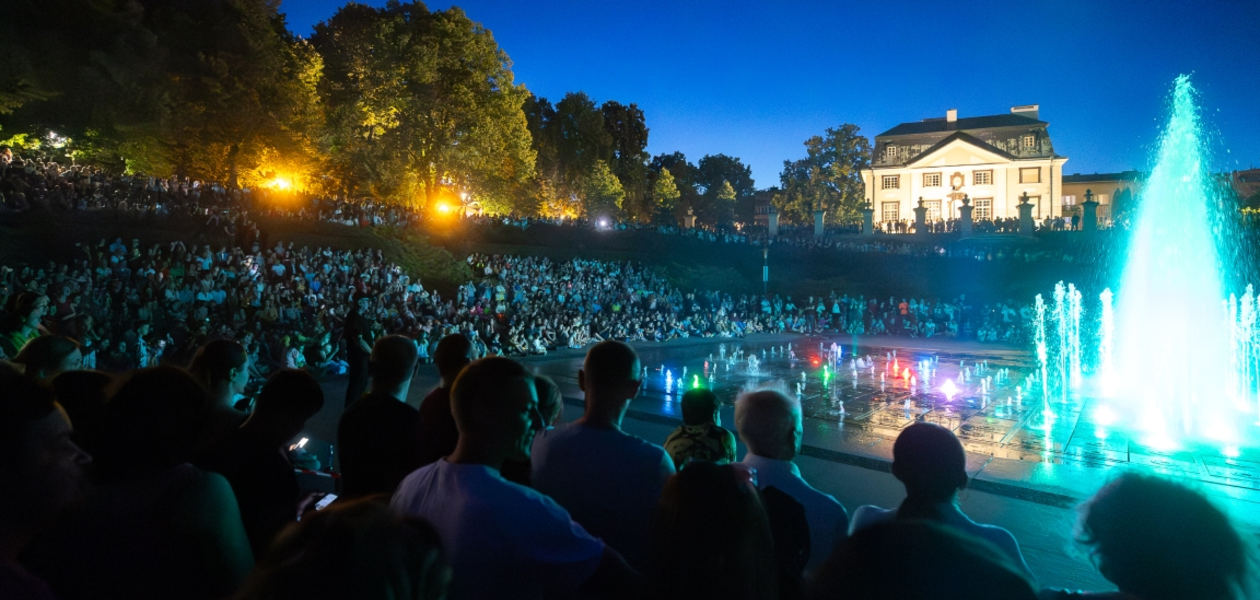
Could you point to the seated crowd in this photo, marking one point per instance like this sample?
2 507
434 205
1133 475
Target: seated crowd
142 485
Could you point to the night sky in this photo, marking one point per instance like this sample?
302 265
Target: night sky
755 79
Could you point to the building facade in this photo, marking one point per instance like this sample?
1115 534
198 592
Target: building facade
993 160
1112 191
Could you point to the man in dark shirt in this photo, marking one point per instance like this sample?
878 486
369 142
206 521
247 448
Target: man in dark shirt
438 434
379 435
255 461
358 336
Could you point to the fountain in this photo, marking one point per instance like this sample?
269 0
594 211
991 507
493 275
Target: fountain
1176 363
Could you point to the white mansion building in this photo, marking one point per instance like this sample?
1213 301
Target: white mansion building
993 160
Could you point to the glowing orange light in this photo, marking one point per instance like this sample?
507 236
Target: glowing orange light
444 207
280 183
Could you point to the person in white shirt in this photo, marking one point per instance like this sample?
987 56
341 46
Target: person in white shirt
769 423
607 479
931 463
505 540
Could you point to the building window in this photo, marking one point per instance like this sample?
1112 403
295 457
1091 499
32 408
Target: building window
982 178
1030 175
891 213
890 152
892 182
931 180
1036 201
1069 201
1028 142
984 209
933 209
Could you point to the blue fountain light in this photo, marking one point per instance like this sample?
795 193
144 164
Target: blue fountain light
1172 345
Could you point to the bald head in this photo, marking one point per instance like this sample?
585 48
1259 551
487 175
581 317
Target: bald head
610 365
769 423
610 378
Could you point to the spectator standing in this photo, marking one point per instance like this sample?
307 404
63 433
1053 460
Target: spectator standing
154 526
931 463
505 540
549 406
222 369
43 473
438 433
358 336
379 435
769 423
607 479
701 436
255 461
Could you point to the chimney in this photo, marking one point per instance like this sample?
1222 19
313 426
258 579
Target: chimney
1027 110
951 115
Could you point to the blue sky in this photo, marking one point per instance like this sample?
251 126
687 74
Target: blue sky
755 79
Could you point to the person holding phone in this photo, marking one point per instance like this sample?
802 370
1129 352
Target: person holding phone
254 461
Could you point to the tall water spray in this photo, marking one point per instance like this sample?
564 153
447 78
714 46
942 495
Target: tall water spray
1171 343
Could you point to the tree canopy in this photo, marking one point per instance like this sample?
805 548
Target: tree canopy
829 177
398 103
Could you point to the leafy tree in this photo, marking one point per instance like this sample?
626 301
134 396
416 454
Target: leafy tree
627 128
828 178
602 191
582 141
684 175
715 171
540 118
419 102
211 89
664 196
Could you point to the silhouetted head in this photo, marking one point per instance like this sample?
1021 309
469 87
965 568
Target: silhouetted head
453 353
42 469
47 355
944 564
393 361
1160 540
610 372
711 537
82 395
358 549
700 406
769 423
929 460
288 399
152 421
221 367
495 406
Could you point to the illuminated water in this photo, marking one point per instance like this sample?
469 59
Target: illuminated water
1176 364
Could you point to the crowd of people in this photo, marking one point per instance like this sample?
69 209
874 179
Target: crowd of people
146 484
129 305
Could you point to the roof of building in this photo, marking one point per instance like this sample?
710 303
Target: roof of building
940 125
965 137
1086 178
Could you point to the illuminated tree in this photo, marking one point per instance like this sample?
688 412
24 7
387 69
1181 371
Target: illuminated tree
419 100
